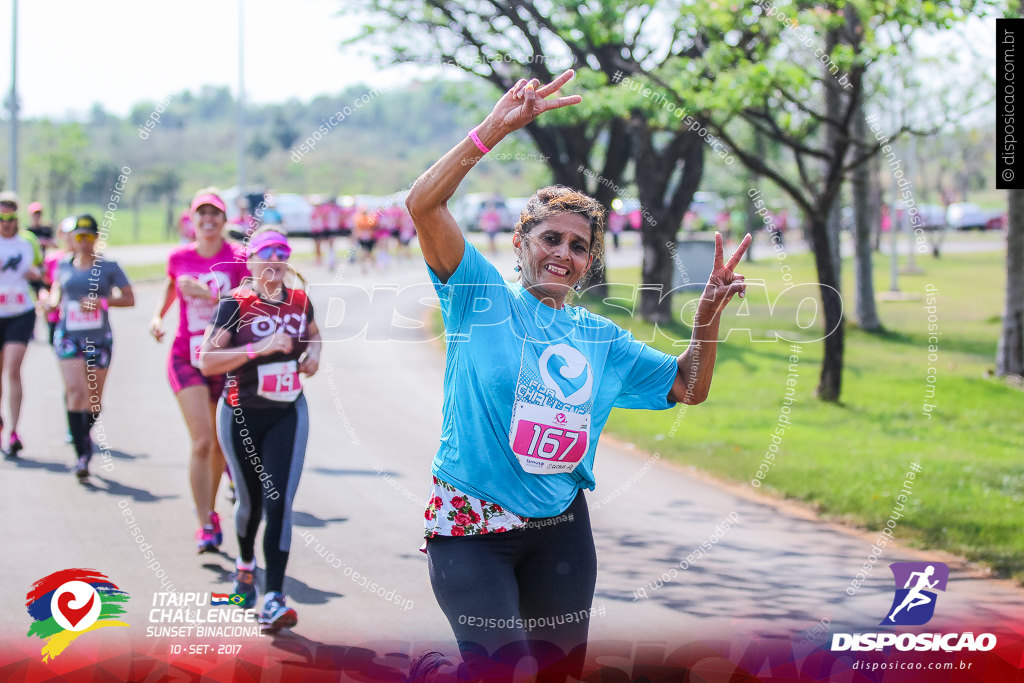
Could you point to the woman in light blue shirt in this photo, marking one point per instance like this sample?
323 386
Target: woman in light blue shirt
529 384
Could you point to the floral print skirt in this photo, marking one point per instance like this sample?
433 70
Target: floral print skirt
453 513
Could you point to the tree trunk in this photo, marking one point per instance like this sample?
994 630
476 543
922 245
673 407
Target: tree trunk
658 267
666 181
833 112
867 312
877 199
835 230
1010 351
754 222
567 151
616 160
830 381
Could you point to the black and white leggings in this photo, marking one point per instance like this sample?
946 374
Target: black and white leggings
265 449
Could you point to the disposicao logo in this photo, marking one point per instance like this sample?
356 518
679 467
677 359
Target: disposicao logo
913 605
68 603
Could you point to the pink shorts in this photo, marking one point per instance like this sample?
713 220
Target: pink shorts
183 374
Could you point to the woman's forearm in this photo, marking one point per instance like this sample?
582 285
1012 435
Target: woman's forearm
165 305
220 361
697 364
315 346
125 298
438 184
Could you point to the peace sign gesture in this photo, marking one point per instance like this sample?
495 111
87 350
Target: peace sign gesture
526 101
723 283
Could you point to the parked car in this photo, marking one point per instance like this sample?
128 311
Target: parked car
966 216
515 206
706 206
631 209
468 209
997 220
933 217
295 210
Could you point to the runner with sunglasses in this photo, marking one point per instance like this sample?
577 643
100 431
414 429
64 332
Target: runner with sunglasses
198 274
20 264
263 336
85 287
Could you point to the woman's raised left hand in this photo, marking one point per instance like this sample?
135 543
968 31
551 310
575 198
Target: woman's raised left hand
724 282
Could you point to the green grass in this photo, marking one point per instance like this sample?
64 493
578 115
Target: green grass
147 226
849 460
146 272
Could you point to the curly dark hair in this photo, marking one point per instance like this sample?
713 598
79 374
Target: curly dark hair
559 199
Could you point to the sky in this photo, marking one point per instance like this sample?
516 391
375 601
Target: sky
120 52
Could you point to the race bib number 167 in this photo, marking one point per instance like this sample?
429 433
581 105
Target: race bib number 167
546 440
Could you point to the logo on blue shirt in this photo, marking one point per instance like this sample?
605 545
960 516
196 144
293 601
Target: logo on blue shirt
566 371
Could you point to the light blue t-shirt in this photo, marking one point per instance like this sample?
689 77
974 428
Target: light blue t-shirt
528 389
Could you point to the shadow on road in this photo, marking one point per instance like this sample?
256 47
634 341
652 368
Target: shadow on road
21 461
299 654
295 589
309 520
302 592
352 473
116 488
121 455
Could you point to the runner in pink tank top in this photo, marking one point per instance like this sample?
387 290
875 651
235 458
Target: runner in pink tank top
198 275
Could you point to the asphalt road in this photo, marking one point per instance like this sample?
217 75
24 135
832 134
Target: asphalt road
375 412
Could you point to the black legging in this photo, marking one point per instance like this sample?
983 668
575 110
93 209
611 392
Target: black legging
264 449
517 593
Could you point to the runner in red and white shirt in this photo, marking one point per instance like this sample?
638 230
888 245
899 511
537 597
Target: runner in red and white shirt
263 336
198 274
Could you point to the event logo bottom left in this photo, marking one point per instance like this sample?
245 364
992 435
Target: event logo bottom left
70 603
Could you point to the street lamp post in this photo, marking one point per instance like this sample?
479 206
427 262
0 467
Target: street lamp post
12 99
240 135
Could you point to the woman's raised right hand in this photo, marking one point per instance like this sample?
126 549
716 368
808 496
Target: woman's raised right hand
525 101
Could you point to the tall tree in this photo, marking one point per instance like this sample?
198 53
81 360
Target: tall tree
863 218
164 182
764 68
58 159
1010 351
590 147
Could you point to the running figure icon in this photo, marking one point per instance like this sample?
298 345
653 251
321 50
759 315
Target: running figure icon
915 597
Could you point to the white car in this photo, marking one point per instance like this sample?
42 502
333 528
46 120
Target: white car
933 217
965 216
467 210
296 212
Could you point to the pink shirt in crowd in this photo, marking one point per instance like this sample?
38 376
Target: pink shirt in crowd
50 263
221 273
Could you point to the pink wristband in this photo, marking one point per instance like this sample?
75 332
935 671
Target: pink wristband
476 141
249 352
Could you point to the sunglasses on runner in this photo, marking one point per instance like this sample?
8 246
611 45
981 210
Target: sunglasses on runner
85 237
279 251
8 216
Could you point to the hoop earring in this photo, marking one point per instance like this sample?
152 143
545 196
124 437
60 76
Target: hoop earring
517 268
